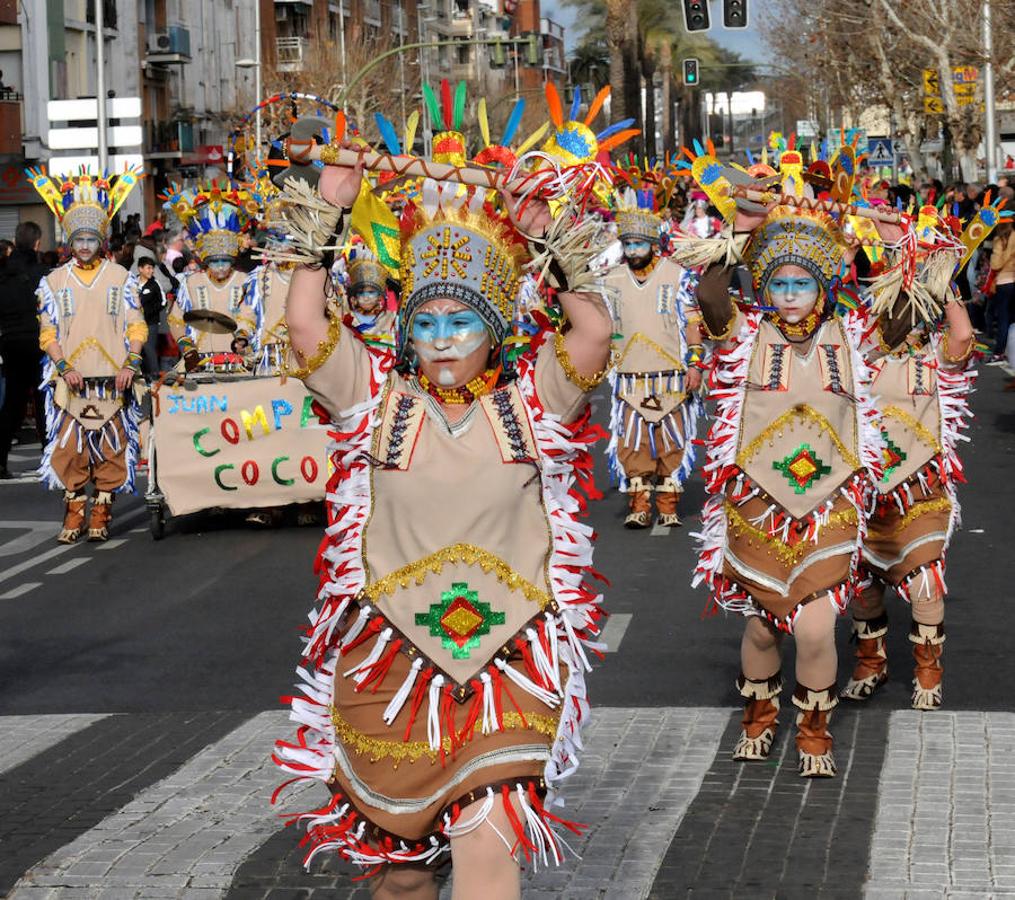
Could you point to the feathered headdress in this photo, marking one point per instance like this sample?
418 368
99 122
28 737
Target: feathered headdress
214 216
86 201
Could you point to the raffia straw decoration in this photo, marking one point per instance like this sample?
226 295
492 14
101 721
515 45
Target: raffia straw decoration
308 220
573 247
725 248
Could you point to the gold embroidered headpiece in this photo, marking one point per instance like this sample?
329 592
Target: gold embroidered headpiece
84 202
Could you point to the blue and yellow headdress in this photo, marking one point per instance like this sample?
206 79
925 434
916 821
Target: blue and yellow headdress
84 202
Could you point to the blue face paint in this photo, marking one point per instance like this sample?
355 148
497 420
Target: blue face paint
459 329
802 287
636 248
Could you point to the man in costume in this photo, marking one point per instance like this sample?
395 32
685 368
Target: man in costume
660 357
215 220
366 296
792 453
92 330
454 596
924 375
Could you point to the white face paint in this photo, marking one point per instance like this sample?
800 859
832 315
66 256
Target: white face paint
451 342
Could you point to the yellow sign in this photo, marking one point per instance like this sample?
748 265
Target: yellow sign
931 85
964 81
964 88
933 105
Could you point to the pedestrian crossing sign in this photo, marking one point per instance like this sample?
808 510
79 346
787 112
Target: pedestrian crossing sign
879 152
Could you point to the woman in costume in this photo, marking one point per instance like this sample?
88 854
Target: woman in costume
924 375
791 456
445 683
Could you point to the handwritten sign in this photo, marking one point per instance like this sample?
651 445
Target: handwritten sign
242 444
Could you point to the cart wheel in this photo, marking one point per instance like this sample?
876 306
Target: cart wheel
157 522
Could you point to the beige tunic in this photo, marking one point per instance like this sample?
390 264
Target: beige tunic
456 554
199 291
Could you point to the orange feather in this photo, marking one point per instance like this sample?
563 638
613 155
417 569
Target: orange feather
615 140
554 104
597 104
339 126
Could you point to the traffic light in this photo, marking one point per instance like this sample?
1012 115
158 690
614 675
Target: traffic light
691 72
498 55
696 16
734 13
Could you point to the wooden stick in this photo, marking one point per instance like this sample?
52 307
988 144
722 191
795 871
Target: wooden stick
878 214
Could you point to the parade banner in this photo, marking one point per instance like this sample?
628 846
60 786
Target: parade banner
250 443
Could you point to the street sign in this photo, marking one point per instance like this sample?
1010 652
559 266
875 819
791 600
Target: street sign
68 165
806 128
931 84
879 152
933 105
88 110
87 138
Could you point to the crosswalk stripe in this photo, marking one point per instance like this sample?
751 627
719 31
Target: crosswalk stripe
112 544
69 566
614 630
20 590
22 737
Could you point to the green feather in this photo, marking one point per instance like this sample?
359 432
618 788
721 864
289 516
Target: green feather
459 105
433 106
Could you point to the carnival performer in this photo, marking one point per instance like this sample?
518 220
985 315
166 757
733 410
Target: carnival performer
660 357
215 219
446 684
367 296
791 455
924 375
92 329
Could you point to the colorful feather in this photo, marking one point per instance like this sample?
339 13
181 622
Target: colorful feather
432 105
576 102
532 139
617 139
554 105
484 125
514 120
387 132
459 106
446 103
410 130
597 104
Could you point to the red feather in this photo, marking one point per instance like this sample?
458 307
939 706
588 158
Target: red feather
446 104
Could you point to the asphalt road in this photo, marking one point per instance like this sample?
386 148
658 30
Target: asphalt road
207 618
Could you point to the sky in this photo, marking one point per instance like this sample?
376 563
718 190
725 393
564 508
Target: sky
746 42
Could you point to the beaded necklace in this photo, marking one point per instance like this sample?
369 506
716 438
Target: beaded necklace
458 396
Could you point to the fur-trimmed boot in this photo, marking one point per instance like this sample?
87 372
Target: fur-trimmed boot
761 716
928 642
101 517
813 740
73 516
871 669
640 515
667 497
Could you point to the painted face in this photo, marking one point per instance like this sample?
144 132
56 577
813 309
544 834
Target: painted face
794 292
366 299
637 251
220 267
451 341
85 247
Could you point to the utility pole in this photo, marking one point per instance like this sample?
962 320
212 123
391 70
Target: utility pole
990 132
100 83
257 82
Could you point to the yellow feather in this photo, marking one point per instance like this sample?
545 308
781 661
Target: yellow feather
532 139
410 131
484 125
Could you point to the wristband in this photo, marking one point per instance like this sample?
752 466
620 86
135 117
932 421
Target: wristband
63 367
133 361
186 346
695 356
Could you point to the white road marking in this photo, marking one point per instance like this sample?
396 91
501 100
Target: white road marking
660 530
22 737
142 530
20 590
20 479
614 630
112 545
38 533
69 566
11 571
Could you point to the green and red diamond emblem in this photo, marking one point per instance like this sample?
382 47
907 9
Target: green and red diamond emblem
802 468
460 619
893 457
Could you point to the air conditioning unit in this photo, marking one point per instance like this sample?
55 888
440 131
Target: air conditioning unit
179 40
160 42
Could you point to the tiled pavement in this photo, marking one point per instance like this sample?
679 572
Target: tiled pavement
176 806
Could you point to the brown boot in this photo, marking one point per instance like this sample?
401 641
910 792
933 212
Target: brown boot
73 517
761 716
871 669
101 517
928 642
813 741
640 515
667 497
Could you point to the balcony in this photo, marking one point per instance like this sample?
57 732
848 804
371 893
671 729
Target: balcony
169 140
549 28
10 122
290 53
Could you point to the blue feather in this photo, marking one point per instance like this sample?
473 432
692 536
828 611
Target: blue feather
614 128
576 102
824 150
514 120
387 131
698 149
750 157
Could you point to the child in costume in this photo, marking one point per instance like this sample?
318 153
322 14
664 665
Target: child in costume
92 331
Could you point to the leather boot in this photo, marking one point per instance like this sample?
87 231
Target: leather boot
928 642
73 517
761 716
667 497
640 515
813 740
101 517
871 669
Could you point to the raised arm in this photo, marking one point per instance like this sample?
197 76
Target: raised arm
957 345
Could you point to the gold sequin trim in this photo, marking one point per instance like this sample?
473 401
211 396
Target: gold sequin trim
87 344
411 751
47 336
807 413
941 504
724 335
585 383
137 331
457 553
914 425
637 338
324 349
962 357
788 554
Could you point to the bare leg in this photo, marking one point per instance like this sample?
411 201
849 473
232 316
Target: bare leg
816 660
814 631
482 865
760 684
759 649
404 882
